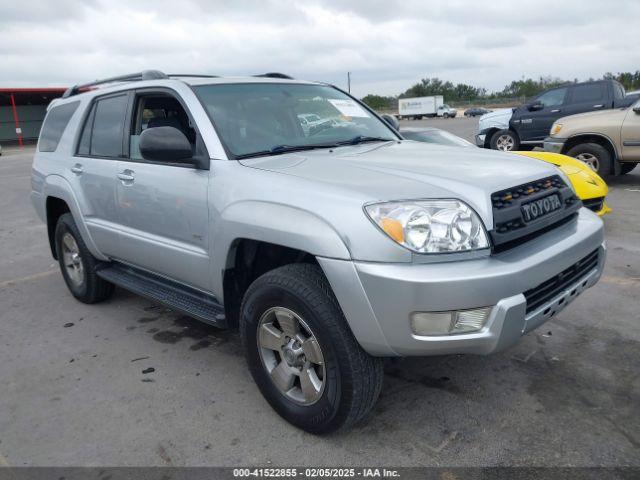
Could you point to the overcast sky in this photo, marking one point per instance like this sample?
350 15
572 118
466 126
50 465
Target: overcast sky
387 45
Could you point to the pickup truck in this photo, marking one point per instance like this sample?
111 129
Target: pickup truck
528 125
607 141
328 249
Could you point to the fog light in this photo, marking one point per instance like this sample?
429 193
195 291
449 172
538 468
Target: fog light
448 323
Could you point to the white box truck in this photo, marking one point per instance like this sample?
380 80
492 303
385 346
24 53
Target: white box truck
418 107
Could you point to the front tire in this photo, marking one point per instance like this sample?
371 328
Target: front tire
302 354
595 156
77 265
505 140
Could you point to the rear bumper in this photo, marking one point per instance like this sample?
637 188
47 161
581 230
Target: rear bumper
378 299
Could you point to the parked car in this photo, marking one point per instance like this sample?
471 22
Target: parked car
589 187
528 125
327 251
475 111
609 141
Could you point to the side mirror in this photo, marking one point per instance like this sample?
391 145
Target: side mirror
165 144
392 121
535 106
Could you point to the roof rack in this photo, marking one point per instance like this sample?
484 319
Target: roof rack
132 77
191 75
275 75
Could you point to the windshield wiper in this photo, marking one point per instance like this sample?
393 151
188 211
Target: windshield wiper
280 149
364 139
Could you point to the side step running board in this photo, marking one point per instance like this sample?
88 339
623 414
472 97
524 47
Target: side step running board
184 299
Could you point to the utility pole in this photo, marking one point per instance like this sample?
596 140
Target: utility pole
349 82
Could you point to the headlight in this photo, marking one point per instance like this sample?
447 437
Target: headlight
430 226
555 128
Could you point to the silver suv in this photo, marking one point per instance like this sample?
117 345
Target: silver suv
329 248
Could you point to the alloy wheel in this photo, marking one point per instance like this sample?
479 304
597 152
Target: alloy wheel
72 260
590 159
291 355
505 143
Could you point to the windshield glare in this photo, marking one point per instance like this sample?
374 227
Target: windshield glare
258 117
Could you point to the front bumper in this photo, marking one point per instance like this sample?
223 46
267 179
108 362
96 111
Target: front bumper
554 145
378 299
480 139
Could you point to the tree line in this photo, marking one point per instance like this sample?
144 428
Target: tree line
526 88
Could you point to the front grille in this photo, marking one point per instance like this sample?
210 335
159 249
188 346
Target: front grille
594 204
511 229
544 292
508 197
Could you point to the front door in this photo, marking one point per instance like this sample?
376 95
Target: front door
163 207
534 125
630 134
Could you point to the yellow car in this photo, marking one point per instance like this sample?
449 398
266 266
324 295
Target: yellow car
588 185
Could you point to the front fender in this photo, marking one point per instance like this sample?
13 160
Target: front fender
57 186
275 223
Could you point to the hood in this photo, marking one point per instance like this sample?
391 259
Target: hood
496 119
410 170
568 165
595 116
501 112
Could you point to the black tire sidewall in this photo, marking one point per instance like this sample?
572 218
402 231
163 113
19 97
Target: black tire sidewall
326 409
604 157
66 225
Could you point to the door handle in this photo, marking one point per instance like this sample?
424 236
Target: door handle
556 110
126 177
77 169
598 106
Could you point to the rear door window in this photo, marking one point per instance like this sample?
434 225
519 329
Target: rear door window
103 131
592 92
54 125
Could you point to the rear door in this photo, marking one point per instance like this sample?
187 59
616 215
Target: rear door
534 125
587 97
163 207
630 134
95 166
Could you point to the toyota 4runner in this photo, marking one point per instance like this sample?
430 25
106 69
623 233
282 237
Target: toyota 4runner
329 248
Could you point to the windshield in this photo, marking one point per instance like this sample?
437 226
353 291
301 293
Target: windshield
255 119
439 137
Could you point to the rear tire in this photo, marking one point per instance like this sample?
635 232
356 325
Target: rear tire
627 167
348 380
505 140
77 265
595 156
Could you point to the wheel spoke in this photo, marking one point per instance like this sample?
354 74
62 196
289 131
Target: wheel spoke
288 324
312 351
271 337
310 384
68 242
283 377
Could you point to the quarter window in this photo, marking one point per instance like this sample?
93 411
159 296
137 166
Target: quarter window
54 125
